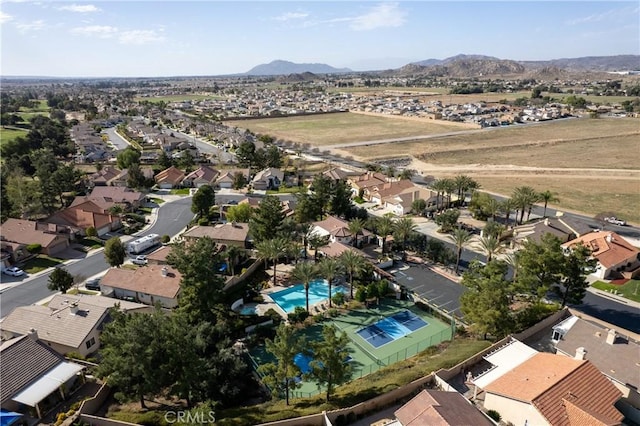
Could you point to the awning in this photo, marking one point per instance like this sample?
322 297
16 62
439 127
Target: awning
8 417
47 384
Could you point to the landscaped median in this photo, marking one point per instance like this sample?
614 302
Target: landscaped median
629 290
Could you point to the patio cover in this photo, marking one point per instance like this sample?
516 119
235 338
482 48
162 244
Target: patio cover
8 417
47 384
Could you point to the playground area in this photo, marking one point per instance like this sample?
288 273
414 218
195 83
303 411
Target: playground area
390 332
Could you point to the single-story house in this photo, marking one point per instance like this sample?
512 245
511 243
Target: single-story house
34 377
336 174
616 257
226 178
147 285
109 176
229 234
270 178
169 178
109 196
562 227
27 232
86 214
338 230
203 175
159 257
549 389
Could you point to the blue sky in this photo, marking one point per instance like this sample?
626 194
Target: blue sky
170 38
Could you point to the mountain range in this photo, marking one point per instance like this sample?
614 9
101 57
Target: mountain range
469 66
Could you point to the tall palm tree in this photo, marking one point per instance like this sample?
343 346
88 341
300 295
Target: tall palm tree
513 260
440 187
403 229
305 272
524 197
232 253
506 207
548 197
491 246
449 186
330 268
492 207
355 227
385 227
460 238
273 250
353 263
315 242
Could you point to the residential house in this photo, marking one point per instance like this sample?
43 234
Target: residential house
616 257
203 175
270 178
378 193
360 184
169 178
86 214
65 327
148 285
338 230
616 356
159 257
549 389
335 249
401 203
34 377
109 196
228 234
336 174
25 232
226 178
109 176
561 227
439 408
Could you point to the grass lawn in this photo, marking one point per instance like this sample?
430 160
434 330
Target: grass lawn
145 210
7 135
40 263
180 191
91 243
629 290
330 129
156 200
285 190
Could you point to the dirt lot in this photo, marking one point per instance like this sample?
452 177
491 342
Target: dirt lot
330 129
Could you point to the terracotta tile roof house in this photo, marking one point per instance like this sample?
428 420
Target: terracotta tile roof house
338 230
616 257
230 234
64 327
32 373
552 389
147 285
367 180
615 355
30 232
202 176
378 193
439 408
86 214
169 178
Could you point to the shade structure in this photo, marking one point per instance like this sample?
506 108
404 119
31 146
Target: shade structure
48 383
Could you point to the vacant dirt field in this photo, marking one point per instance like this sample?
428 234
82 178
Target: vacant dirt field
329 129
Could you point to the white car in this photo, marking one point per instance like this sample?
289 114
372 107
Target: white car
140 260
615 221
14 272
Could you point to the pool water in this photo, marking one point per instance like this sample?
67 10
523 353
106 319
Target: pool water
288 299
249 309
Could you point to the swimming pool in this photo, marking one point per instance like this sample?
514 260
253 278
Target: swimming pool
294 296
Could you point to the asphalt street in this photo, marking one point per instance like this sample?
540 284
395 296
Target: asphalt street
172 218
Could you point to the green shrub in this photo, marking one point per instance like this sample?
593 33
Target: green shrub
165 239
91 232
203 221
494 415
272 314
298 315
34 248
361 295
338 299
333 312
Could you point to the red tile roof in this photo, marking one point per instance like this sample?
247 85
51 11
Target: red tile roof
435 408
608 247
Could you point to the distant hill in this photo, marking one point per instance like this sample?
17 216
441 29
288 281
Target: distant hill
590 63
294 78
279 67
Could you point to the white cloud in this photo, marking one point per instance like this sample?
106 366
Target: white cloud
609 15
100 31
139 37
4 17
80 8
25 27
289 16
384 15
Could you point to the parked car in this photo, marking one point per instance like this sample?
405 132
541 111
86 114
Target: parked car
140 260
93 284
615 221
14 271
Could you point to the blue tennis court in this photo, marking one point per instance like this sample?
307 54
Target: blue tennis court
391 328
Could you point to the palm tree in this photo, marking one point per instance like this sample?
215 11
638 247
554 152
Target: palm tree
440 187
232 253
449 186
513 260
407 174
524 197
305 272
330 268
353 263
355 227
492 207
548 197
506 207
315 242
403 229
491 246
294 250
273 250
460 237
385 227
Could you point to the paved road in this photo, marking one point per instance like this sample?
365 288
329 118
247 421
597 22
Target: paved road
619 314
206 147
172 218
118 141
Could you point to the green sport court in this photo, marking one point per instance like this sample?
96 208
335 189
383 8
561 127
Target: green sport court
365 358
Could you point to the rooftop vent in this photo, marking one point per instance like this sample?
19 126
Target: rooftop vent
164 271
